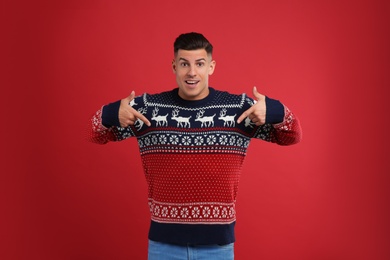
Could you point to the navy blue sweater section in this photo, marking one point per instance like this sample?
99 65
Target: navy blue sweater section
274 111
183 234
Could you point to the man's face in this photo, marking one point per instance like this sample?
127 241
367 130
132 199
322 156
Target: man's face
192 70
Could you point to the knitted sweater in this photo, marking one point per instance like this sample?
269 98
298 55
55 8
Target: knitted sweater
192 156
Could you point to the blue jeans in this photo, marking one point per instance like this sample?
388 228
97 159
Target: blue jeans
163 251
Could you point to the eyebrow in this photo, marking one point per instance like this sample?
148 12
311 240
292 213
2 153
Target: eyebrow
201 59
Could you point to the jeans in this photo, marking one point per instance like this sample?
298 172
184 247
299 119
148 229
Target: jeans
163 251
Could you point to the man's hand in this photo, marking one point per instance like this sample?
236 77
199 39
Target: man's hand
257 112
128 115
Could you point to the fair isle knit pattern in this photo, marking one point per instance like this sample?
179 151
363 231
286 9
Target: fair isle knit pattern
193 152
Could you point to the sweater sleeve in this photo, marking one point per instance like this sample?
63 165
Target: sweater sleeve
110 114
282 126
275 111
106 127
99 133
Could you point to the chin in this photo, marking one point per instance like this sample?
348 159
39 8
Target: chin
192 92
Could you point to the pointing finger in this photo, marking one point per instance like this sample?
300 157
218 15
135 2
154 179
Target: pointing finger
245 114
141 117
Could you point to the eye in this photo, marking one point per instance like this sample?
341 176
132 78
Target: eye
184 64
200 64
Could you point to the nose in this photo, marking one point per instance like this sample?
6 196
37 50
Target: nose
191 71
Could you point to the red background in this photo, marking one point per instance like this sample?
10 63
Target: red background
325 198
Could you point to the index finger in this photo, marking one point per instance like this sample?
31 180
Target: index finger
141 117
245 114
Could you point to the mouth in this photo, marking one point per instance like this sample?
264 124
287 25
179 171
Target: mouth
191 82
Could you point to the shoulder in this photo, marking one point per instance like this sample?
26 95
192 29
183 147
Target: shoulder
165 97
227 98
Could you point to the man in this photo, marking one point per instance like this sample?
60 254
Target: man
193 141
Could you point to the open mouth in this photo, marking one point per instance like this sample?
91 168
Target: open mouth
192 82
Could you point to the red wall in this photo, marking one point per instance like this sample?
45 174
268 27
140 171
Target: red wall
325 198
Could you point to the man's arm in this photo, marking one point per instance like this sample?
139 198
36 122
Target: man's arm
276 123
288 131
97 132
112 122
128 115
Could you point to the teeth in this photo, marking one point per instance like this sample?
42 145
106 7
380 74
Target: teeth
191 81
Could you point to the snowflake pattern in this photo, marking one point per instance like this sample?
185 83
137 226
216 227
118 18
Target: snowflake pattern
164 212
216 212
174 139
206 211
195 212
211 139
200 213
223 139
198 140
186 140
147 141
232 140
194 140
162 139
184 212
174 212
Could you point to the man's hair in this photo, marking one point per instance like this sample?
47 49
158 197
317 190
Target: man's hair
192 41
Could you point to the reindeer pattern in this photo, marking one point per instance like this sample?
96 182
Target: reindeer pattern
213 123
202 119
206 121
181 121
160 120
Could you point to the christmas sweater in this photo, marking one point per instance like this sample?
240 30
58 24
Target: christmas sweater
192 156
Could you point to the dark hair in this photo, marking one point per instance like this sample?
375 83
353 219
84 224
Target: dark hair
192 41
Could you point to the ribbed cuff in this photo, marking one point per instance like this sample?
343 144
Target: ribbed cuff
110 114
275 111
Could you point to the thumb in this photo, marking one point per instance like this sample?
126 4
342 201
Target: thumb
257 95
131 96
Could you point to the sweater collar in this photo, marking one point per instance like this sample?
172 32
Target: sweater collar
193 103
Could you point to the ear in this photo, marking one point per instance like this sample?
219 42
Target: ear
213 63
174 66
